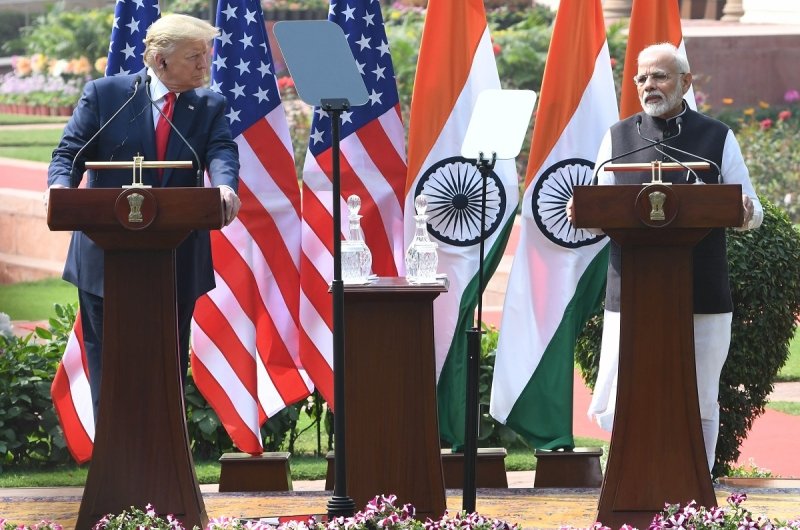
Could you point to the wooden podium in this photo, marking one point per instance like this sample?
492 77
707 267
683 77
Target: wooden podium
657 453
392 441
141 447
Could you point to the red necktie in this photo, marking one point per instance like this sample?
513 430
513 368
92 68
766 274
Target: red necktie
163 128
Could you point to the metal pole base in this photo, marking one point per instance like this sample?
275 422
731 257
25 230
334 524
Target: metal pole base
340 507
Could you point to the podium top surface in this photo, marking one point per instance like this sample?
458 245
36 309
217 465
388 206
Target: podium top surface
102 210
682 205
397 284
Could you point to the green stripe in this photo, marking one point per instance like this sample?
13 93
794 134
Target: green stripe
543 411
452 386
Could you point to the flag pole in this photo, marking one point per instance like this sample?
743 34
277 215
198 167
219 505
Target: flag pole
340 505
471 419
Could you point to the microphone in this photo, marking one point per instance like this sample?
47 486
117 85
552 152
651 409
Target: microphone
199 180
632 151
136 82
678 122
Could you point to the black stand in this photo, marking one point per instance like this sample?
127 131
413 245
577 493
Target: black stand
472 420
325 74
340 505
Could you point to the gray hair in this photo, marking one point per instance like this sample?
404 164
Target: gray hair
167 32
667 47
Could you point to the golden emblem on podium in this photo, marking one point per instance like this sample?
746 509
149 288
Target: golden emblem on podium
657 199
135 201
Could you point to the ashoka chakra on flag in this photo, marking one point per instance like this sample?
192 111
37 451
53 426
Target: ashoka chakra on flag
551 191
453 187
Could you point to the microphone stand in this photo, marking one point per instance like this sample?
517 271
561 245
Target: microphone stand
340 505
471 419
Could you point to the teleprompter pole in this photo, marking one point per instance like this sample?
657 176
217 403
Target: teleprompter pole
471 421
340 505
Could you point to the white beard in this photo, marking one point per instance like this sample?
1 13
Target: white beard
664 105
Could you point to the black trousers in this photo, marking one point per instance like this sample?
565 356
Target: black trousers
91 307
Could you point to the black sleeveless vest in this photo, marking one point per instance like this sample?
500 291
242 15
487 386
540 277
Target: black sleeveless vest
706 137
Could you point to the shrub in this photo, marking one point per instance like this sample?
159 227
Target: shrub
69 34
765 283
29 430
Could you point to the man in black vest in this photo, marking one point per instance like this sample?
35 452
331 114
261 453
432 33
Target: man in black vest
662 79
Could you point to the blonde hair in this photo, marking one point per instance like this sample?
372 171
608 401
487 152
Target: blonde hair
170 30
681 62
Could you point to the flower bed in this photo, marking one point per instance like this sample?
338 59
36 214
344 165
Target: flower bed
43 86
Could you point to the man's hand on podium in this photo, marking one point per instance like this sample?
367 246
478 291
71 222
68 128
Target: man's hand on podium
747 203
230 204
46 196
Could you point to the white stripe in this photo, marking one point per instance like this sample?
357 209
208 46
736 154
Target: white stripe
79 389
395 132
317 329
212 358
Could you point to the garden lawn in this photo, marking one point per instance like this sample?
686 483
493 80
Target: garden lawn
35 300
27 119
791 370
29 144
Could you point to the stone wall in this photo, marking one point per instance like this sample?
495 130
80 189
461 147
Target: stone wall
28 249
746 62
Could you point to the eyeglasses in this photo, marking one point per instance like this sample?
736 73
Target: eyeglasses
658 77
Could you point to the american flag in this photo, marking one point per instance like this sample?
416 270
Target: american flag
245 333
373 166
70 389
131 20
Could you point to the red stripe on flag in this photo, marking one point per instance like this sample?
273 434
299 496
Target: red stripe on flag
315 216
216 396
371 224
318 368
77 439
241 281
265 233
275 158
384 156
219 331
315 287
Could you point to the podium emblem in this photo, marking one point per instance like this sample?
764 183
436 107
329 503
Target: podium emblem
657 199
551 191
135 201
135 208
657 205
453 187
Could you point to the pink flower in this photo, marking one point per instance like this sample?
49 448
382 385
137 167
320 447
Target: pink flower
784 115
791 96
766 123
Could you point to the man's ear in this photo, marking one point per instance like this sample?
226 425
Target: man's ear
687 81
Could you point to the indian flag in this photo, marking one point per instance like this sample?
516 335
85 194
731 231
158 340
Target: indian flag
456 63
652 22
558 275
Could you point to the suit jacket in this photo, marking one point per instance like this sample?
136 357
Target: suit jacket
199 115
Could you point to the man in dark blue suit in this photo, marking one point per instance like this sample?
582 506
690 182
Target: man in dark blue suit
177 51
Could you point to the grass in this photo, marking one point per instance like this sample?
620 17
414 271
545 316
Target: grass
787 407
31 144
791 370
35 300
27 119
